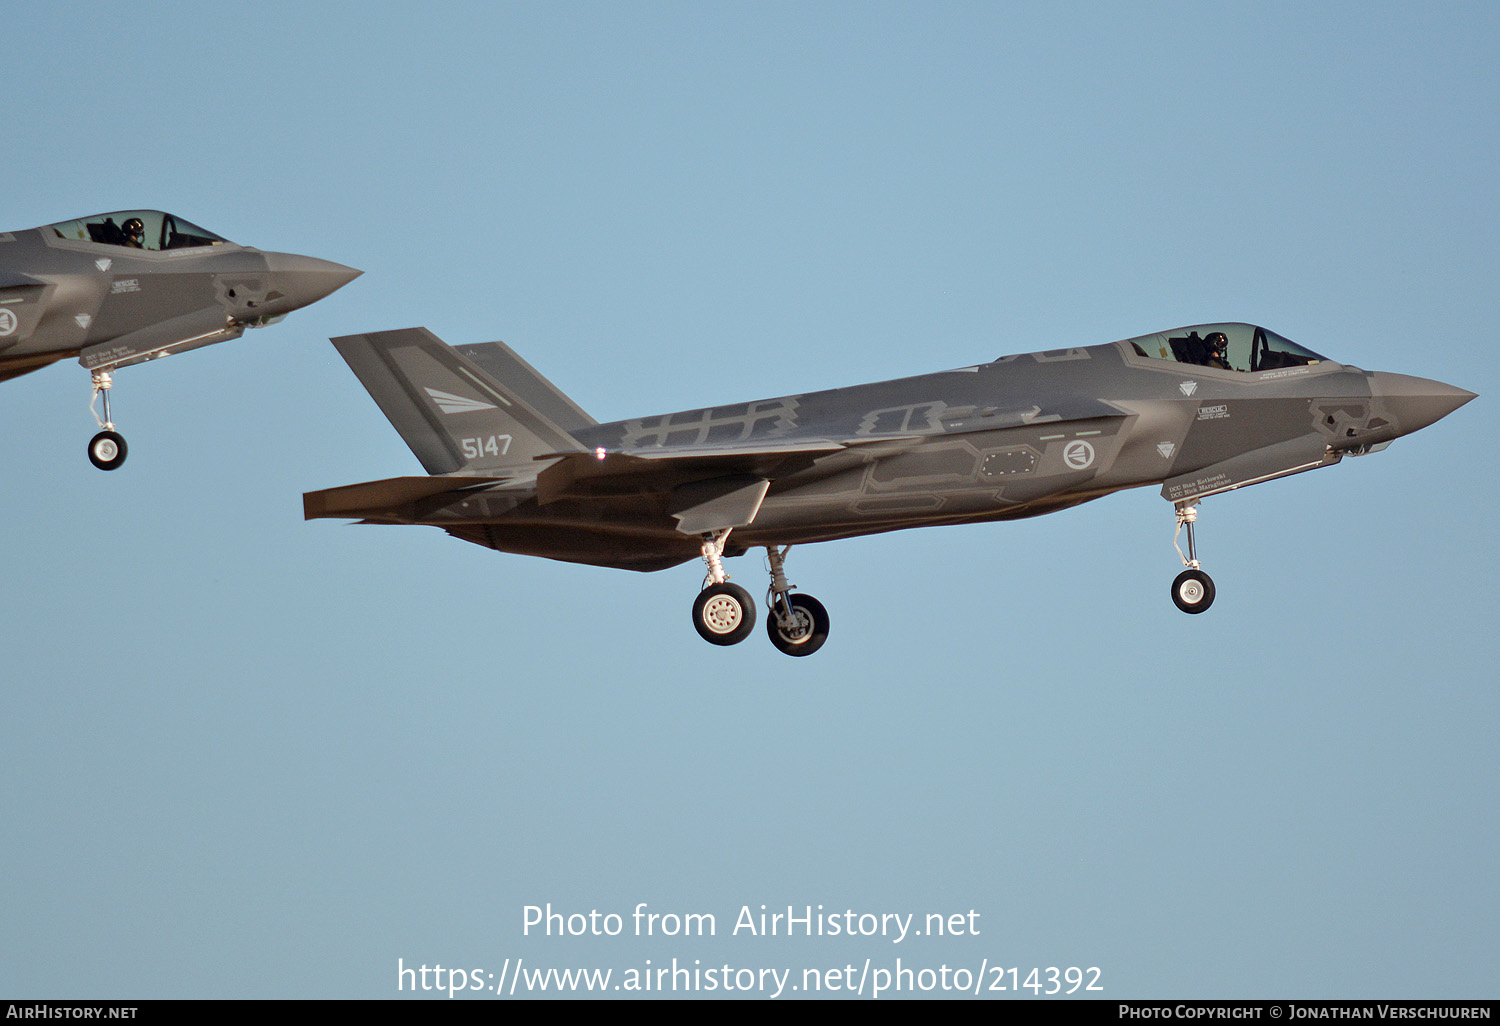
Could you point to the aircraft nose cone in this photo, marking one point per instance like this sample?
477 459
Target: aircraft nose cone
303 280
1418 402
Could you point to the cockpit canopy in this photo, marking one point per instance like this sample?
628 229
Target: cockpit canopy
1238 347
137 229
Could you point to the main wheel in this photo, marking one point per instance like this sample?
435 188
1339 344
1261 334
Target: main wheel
807 630
107 450
1193 591
724 614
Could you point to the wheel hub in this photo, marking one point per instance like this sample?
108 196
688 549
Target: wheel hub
722 614
796 628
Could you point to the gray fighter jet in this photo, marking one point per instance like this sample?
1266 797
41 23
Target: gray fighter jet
516 466
135 285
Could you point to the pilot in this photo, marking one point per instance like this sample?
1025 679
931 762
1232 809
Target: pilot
1218 350
135 233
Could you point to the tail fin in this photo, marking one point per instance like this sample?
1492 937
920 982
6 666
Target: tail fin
476 408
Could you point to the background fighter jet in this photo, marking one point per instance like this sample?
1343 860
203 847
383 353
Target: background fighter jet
136 285
517 466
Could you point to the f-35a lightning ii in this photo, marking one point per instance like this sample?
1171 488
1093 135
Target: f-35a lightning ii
122 288
516 466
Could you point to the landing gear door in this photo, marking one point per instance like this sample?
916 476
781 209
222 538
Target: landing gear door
1309 452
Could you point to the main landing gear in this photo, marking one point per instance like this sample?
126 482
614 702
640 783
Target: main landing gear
107 449
1193 590
797 624
724 613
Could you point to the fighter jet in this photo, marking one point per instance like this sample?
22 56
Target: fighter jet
515 465
134 285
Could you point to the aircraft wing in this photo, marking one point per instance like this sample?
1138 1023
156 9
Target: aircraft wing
590 474
707 488
703 489
392 495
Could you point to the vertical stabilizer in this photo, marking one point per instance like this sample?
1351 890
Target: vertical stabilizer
459 413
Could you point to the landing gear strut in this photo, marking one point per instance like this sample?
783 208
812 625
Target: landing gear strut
1193 590
723 613
797 624
107 449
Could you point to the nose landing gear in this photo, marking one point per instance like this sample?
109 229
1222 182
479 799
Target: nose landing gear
1193 590
107 449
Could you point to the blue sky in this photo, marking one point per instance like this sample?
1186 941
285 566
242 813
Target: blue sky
251 756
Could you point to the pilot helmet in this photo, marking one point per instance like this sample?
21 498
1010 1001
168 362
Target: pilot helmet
1218 343
135 231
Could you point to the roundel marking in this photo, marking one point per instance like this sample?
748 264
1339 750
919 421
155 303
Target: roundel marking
8 322
1079 455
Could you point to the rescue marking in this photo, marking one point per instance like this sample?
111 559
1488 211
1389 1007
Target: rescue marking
103 263
1166 449
1188 387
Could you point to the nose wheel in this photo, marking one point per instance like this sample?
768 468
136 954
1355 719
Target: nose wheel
1193 590
107 449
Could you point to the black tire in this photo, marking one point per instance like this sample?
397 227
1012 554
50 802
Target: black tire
807 635
724 614
1193 591
107 450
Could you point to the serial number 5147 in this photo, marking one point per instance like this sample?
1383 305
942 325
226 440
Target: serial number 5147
492 445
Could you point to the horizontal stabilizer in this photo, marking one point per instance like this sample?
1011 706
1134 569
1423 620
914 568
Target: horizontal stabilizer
373 497
1308 452
452 412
